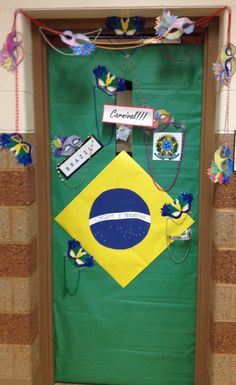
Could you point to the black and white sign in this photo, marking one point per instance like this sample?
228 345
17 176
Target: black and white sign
72 164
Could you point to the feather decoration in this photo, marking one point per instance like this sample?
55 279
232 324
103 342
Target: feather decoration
125 26
57 145
80 44
84 50
172 27
221 168
161 116
108 82
185 201
9 54
163 22
225 65
79 256
182 205
168 210
21 149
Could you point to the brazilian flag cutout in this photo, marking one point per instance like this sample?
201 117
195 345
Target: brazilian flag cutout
117 219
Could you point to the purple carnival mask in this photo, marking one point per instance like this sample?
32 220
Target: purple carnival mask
172 27
11 53
66 145
74 39
80 44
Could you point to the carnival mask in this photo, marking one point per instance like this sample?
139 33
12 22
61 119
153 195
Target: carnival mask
225 65
109 83
66 145
172 27
79 43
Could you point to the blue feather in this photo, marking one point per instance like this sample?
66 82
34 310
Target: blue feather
167 210
113 22
185 198
89 261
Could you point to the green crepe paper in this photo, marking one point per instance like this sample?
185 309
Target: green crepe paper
143 334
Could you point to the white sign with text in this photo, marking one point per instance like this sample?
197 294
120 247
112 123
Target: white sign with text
88 149
128 115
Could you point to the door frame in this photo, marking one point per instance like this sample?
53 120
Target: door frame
41 107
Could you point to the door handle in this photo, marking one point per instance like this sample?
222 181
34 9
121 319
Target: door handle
186 236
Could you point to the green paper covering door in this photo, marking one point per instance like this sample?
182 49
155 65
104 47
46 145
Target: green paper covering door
143 334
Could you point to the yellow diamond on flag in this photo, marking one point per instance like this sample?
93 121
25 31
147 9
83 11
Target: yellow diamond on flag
117 219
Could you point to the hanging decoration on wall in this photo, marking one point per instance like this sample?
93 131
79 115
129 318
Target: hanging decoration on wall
171 27
11 53
122 226
15 144
150 132
167 146
78 255
176 210
129 26
79 157
66 145
161 116
225 65
82 155
222 167
76 260
167 26
179 206
107 82
79 43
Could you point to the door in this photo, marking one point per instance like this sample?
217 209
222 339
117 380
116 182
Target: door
143 334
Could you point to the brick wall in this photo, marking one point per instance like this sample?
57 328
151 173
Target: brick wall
19 340
223 275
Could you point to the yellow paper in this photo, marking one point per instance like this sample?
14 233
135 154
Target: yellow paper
122 264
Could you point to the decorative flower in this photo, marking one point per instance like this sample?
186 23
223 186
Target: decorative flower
108 82
85 50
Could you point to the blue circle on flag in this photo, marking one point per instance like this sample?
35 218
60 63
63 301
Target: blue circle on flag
119 219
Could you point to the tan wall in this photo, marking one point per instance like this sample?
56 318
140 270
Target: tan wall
18 237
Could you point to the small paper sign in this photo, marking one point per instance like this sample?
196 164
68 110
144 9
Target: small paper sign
127 115
167 146
88 149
